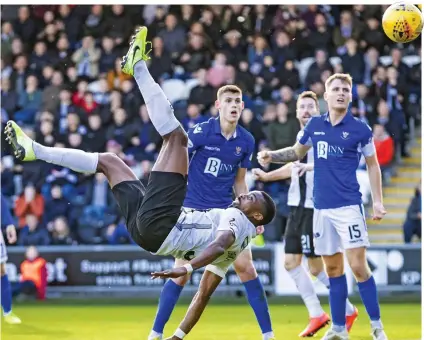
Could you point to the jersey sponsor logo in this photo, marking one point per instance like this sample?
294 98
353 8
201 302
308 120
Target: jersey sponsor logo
215 167
345 135
319 133
238 151
212 148
197 129
324 150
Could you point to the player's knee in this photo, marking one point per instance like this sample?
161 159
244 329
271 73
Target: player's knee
291 262
246 271
316 267
106 161
178 137
360 270
3 269
181 281
334 269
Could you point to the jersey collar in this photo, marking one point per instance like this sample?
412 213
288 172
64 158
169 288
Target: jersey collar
217 128
345 120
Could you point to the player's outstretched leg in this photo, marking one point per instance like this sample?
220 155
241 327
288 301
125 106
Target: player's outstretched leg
26 149
173 156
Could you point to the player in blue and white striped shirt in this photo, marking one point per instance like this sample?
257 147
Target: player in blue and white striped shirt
338 140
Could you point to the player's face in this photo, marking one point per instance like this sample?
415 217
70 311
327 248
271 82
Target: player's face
230 106
306 108
250 204
338 95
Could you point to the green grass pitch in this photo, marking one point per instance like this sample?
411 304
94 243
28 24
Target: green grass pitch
48 321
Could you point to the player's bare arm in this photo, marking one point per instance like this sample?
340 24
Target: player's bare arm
240 185
279 174
208 284
222 242
290 154
374 174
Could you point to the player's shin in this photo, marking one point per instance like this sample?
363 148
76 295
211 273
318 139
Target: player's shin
6 295
159 108
167 301
338 296
258 301
307 291
74 159
369 296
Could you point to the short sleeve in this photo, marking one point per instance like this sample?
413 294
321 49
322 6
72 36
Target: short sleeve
246 162
231 221
195 135
367 142
304 136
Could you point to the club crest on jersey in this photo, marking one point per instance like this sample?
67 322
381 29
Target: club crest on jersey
238 151
345 135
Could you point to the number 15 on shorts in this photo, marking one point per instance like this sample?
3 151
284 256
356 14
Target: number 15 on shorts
354 232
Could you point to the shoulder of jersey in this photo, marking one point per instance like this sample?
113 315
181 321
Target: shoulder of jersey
362 123
201 127
246 134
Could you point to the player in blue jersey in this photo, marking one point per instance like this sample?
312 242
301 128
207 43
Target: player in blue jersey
154 215
220 153
338 140
6 293
299 230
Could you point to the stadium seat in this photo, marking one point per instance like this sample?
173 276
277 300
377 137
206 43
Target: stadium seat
411 60
303 67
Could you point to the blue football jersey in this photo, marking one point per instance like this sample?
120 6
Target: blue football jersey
337 152
214 162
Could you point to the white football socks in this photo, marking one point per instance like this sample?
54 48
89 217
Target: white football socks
307 291
159 108
74 159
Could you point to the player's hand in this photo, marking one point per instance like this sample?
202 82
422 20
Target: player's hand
301 168
259 175
379 211
264 157
11 233
171 273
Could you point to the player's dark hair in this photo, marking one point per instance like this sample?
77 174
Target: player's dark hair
269 209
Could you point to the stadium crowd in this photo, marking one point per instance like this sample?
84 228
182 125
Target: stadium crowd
61 79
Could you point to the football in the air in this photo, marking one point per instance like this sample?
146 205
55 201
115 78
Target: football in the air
402 22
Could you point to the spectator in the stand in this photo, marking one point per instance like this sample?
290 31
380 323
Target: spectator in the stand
116 77
9 98
282 132
95 138
413 223
45 135
217 74
118 25
173 36
60 234
87 58
29 101
320 65
373 35
51 93
25 26
193 117
33 234
353 61
29 203
283 49
109 55
348 29
56 206
33 275
95 22
320 37
203 94
161 62
385 148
